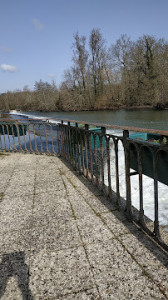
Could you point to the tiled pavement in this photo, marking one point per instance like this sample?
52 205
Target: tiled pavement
60 238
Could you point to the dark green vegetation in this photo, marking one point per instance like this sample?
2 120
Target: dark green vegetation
127 74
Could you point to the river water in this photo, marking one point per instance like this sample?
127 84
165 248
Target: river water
136 118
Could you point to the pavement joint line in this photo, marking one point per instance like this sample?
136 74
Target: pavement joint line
32 213
76 292
108 211
144 272
73 212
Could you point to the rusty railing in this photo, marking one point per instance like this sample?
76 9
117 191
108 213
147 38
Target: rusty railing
106 154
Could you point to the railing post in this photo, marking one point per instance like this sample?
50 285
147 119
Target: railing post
76 147
86 149
127 174
156 204
103 130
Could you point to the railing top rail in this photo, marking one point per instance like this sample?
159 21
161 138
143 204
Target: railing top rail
110 126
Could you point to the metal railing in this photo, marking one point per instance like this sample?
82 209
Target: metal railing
107 155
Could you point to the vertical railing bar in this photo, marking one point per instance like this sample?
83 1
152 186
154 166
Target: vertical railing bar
101 161
82 135
127 174
35 143
80 151
46 138
58 138
86 148
70 143
41 144
66 142
1 141
18 135
74 148
117 172
28 126
95 157
24 137
62 131
3 130
13 137
77 145
52 139
141 208
8 135
90 154
108 166
61 137
156 220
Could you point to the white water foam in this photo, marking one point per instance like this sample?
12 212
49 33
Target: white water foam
34 117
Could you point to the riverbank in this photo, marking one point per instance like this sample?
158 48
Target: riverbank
116 108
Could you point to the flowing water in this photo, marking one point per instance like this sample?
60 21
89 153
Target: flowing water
137 118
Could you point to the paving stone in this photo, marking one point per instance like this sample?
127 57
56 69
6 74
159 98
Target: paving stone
118 223
59 273
101 204
136 288
15 241
91 294
51 187
55 236
109 259
58 209
92 229
15 212
153 260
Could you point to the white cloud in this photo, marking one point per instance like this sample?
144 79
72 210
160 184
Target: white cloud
5 49
8 68
37 24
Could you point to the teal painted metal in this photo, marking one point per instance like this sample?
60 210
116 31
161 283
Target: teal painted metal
145 136
12 129
145 140
97 130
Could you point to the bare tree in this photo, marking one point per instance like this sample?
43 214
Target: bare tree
97 64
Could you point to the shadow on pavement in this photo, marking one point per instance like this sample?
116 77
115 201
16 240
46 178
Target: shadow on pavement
13 265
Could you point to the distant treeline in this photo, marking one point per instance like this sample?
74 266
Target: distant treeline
128 73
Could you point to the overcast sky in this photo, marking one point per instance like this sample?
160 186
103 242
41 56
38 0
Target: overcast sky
36 36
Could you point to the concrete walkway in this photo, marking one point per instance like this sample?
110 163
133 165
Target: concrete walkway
60 238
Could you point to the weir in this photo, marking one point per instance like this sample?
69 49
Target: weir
94 152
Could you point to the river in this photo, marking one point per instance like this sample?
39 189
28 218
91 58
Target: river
153 119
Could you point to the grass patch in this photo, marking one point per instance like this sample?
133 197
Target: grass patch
1 196
3 154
